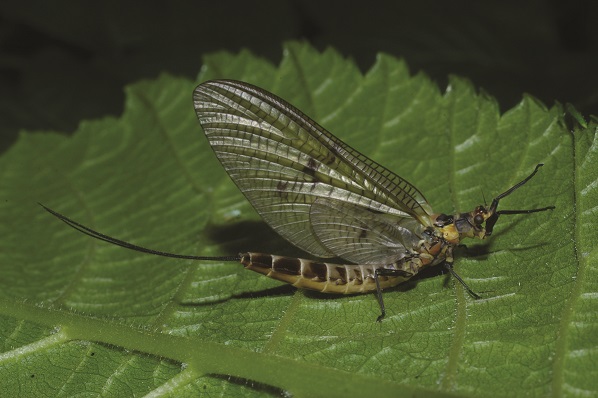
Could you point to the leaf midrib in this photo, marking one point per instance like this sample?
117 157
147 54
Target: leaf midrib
558 366
205 358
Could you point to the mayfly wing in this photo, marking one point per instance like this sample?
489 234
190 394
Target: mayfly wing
284 163
362 236
324 197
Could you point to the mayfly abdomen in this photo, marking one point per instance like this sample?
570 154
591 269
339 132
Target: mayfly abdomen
325 277
324 197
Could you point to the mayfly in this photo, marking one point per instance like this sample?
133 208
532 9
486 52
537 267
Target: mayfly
325 198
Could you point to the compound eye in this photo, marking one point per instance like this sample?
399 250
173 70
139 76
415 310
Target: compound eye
478 219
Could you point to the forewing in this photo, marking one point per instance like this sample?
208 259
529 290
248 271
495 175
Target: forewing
361 235
283 162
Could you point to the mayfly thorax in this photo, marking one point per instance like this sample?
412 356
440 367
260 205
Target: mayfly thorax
325 198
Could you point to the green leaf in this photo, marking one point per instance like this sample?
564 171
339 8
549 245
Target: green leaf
78 315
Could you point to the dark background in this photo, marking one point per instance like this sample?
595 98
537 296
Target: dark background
64 61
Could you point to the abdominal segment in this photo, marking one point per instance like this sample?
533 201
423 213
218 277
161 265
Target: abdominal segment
327 277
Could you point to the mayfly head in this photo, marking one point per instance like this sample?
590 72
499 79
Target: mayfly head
302 180
480 222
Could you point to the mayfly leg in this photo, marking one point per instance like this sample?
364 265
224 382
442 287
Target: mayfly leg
328 277
324 197
449 268
302 273
386 272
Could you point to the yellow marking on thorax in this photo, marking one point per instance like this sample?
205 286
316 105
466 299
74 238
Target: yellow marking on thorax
450 234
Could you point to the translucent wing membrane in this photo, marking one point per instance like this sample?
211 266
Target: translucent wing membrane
362 236
284 163
324 197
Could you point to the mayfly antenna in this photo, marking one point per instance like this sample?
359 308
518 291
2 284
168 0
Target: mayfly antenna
492 219
379 224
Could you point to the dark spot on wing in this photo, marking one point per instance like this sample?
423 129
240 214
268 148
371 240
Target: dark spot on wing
281 189
331 156
311 167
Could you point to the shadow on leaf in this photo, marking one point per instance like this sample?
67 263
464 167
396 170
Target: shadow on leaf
252 236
